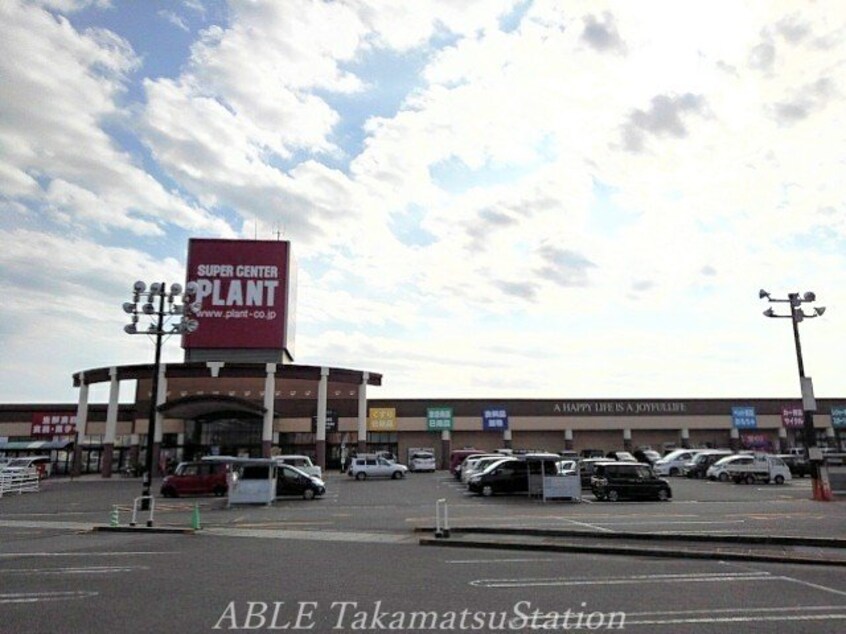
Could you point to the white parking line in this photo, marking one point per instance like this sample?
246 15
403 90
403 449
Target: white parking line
83 570
35 597
117 553
633 579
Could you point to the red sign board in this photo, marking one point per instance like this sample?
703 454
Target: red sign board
246 292
51 424
792 417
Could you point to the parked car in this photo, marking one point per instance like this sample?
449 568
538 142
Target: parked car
457 457
673 462
196 478
592 453
719 470
303 463
697 467
293 481
41 464
613 481
798 465
510 475
373 466
422 461
586 469
763 468
646 456
477 464
622 456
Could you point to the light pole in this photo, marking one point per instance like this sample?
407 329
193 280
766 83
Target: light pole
795 300
160 326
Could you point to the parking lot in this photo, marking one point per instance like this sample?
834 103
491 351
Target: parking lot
356 545
385 505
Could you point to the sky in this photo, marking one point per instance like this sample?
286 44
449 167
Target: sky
486 198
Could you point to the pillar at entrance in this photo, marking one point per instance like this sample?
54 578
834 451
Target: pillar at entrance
568 439
111 424
362 413
157 433
685 438
269 413
782 440
81 420
320 436
506 438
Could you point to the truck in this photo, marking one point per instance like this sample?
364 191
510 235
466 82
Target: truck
763 468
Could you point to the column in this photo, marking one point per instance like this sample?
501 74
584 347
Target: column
111 424
180 447
81 422
269 413
685 438
734 440
506 438
568 439
320 437
362 413
782 440
831 439
627 439
157 435
446 448
134 451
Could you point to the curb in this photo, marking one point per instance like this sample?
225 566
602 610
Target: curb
143 529
774 540
624 550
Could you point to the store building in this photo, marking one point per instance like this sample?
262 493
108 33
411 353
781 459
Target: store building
239 392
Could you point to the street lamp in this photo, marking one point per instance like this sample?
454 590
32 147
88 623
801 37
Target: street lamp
795 300
161 324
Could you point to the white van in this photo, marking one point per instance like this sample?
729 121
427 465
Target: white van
673 463
303 463
41 464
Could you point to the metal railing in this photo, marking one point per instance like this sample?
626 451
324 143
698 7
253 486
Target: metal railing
19 482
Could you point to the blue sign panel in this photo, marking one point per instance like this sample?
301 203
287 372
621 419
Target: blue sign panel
838 417
744 418
494 419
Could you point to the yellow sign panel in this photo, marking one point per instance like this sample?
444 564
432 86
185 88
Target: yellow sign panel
382 419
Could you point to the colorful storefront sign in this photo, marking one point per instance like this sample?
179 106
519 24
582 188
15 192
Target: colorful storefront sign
792 417
53 424
838 417
382 419
744 418
494 419
439 418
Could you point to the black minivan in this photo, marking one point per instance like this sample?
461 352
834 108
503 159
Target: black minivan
616 480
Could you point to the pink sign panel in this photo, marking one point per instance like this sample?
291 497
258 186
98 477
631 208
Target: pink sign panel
53 424
792 417
243 288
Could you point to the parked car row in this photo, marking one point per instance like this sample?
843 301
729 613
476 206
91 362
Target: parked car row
506 472
212 478
41 465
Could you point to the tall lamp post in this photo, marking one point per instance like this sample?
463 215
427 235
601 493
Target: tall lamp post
821 490
160 305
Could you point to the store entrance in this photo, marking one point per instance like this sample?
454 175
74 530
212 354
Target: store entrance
223 434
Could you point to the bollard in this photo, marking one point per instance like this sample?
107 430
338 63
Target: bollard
114 520
195 518
441 531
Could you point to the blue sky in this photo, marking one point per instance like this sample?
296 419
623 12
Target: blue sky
492 199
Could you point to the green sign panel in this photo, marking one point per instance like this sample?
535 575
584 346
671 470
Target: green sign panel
439 418
838 417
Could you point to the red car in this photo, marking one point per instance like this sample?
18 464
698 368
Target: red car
196 478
